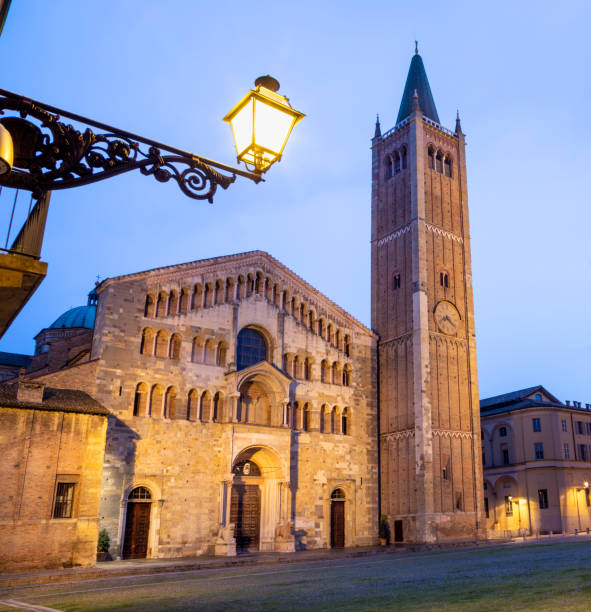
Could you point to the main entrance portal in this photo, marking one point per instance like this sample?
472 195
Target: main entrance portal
245 513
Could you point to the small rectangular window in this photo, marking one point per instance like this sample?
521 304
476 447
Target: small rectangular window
543 498
64 500
537 425
505 456
588 429
508 506
564 428
539 450
583 456
483 458
396 281
580 427
566 451
503 432
486 513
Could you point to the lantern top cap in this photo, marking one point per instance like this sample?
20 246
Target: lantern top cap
268 82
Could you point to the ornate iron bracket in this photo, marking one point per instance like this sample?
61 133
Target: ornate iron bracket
51 155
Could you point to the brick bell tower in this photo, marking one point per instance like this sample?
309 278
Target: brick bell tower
422 309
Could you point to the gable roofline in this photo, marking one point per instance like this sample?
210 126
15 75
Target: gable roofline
514 397
236 258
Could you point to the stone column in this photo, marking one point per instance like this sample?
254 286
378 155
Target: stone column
285 411
234 397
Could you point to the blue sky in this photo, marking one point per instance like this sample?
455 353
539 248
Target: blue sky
517 71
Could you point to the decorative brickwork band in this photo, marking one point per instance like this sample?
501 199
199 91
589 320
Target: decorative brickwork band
394 235
448 433
404 434
443 233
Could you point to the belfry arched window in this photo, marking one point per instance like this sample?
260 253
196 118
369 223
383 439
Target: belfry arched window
251 349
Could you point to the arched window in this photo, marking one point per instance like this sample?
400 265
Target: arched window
306 420
142 493
229 290
217 407
170 403
241 288
205 407
197 297
389 168
219 292
174 351
397 163
324 410
431 158
396 281
447 166
439 162
403 153
149 306
207 296
251 348
147 342
249 285
347 345
192 405
347 375
444 279
312 320
221 354
140 401
334 421
345 425
161 304
325 371
184 301
337 378
156 401
307 368
337 494
172 306
161 344
258 283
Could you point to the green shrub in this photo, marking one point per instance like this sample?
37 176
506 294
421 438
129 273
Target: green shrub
384 529
103 541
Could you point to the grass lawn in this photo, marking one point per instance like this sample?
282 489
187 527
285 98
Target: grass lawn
515 577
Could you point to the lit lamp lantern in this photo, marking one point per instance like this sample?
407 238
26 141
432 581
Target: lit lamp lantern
6 151
262 122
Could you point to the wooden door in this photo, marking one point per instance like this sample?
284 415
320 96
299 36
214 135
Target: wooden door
337 523
245 513
137 528
398 536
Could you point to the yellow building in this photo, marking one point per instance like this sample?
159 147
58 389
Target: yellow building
536 458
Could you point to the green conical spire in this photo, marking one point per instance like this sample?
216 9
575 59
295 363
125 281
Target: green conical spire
417 79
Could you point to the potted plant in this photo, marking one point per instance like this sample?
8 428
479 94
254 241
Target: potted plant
384 531
102 547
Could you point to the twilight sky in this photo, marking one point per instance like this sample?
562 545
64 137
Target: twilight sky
517 71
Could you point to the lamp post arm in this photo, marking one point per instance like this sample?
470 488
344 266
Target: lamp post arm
62 157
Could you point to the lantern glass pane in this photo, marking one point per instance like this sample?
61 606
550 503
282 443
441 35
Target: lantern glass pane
271 126
242 127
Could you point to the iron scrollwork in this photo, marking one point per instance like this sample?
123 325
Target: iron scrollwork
54 155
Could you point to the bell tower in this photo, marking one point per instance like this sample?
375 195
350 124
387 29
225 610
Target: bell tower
423 312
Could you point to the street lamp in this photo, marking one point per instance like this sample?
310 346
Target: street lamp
40 153
262 122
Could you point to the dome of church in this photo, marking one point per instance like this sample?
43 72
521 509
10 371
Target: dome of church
81 316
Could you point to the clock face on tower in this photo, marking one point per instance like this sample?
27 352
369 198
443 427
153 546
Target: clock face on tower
447 317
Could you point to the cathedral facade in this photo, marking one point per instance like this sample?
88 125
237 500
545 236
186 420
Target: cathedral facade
248 412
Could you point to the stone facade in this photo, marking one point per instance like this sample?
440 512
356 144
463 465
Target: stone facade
185 414
423 312
49 437
536 454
